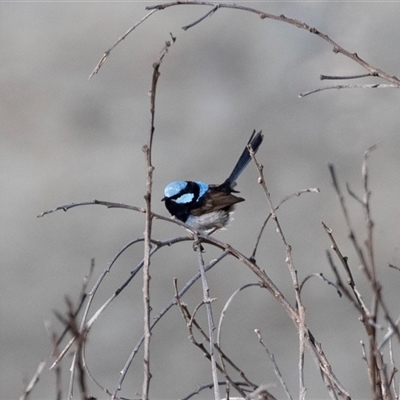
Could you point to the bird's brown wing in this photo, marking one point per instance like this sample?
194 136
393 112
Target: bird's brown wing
216 200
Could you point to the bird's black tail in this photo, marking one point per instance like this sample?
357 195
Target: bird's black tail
254 142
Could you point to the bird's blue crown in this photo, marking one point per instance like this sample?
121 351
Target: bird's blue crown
178 191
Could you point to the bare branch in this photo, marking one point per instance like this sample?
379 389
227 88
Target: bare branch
107 53
108 204
338 87
148 228
336 48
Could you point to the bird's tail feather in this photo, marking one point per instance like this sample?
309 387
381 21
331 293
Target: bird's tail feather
254 142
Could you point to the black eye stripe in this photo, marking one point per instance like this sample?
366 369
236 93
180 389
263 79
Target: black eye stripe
192 189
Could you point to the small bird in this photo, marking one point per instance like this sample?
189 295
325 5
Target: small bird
207 208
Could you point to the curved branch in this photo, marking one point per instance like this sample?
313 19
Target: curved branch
336 48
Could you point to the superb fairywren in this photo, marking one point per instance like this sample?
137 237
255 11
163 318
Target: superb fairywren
205 207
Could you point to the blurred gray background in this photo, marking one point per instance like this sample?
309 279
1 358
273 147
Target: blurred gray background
66 139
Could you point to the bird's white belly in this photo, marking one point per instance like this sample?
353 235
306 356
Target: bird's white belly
210 221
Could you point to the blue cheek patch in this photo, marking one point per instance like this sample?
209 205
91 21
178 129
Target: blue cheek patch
174 188
203 188
184 199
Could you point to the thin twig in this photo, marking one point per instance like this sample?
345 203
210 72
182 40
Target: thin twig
388 335
352 235
394 371
108 204
77 360
394 267
211 326
208 386
223 313
82 296
338 87
107 53
324 279
186 27
274 364
343 77
350 280
339 283
296 194
57 371
226 306
32 383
